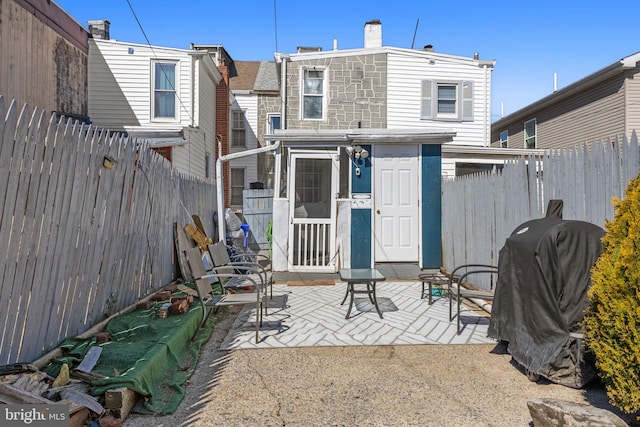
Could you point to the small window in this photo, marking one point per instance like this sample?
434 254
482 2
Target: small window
504 139
164 90
447 97
237 186
313 94
274 123
451 101
238 133
530 140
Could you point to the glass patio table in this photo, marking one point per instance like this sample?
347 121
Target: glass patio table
361 276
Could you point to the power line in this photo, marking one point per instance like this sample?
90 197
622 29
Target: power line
172 85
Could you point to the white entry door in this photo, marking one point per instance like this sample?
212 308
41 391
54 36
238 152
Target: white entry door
396 203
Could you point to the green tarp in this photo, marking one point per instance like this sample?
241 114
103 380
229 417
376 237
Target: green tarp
153 356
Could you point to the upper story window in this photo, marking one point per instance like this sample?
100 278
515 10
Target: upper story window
447 100
504 139
165 97
530 130
238 133
313 94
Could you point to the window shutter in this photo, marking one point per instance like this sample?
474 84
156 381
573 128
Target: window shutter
427 100
467 101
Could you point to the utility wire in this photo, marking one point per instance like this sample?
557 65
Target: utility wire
160 63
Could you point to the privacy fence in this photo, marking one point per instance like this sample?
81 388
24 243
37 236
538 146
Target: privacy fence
86 227
481 211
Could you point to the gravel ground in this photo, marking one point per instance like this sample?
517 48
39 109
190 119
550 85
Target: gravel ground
424 385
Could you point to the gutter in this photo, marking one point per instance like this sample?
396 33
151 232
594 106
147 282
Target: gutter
220 187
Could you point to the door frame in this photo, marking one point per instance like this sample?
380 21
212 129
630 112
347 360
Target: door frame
322 154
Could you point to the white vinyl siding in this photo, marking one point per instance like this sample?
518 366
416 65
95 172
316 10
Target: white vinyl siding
120 85
248 103
407 74
121 97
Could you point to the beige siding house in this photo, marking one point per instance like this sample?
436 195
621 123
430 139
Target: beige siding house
602 105
163 95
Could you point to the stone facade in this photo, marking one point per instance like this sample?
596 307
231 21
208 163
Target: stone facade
356 92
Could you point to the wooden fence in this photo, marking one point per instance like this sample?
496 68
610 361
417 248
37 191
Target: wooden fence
257 210
481 211
86 227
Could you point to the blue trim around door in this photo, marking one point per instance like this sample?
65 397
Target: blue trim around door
431 206
361 220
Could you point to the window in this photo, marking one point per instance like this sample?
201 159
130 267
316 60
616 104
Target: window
164 90
530 140
504 139
273 123
238 139
447 100
313 94
237 186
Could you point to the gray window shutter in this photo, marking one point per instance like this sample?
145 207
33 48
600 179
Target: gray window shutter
467 101
427 100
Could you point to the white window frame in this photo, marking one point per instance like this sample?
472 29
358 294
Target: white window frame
430 100
504 139
232 186
527 137
303 95
235 130
270 118
152 111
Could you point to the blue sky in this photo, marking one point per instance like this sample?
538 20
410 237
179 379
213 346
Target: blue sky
530 41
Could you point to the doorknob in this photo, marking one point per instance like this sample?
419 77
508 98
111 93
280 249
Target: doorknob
378 211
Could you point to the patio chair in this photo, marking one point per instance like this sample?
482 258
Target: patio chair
253 294
458 288
249 263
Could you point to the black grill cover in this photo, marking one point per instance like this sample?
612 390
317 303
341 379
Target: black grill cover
541 294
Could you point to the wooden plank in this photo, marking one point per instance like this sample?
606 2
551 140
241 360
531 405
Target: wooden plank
90 359
13 395
120 401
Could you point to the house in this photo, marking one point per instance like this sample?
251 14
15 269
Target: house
163 95
359 156
602 105
43 57
255 111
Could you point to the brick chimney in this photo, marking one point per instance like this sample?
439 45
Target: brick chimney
99 29
373 34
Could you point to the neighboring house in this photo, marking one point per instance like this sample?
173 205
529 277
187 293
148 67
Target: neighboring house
255 110
43 57
358 171
602 105
165 96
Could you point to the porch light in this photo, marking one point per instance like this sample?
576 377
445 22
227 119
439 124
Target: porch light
360 152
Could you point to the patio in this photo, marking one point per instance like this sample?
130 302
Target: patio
311 316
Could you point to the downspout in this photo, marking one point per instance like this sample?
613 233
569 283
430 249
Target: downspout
220 187
487 114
